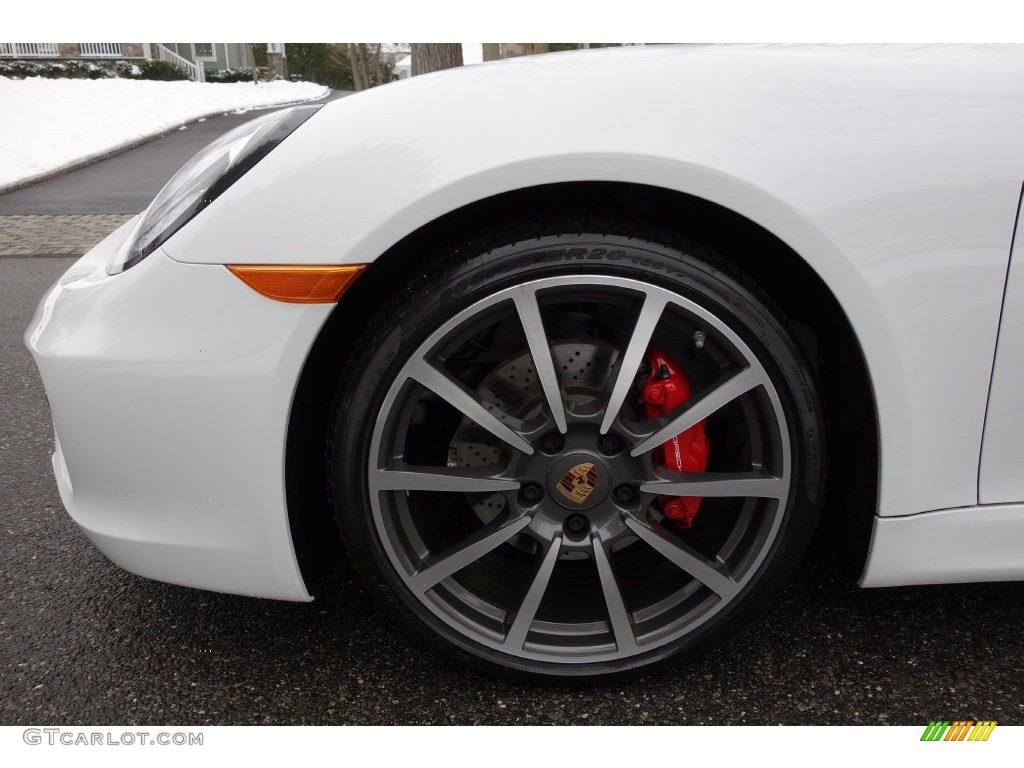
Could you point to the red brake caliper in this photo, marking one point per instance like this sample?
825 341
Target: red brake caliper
665 389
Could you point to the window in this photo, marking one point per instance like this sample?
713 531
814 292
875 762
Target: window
203 51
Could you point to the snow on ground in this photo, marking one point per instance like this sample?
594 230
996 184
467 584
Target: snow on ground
48 124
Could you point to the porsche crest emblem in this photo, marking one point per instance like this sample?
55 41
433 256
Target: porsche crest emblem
577 484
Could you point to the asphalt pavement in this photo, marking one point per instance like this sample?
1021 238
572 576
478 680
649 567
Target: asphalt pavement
84 643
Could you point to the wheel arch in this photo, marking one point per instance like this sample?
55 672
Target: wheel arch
817 320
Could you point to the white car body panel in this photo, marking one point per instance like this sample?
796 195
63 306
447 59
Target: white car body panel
1001 479
947 547
170 435
913 241
894 172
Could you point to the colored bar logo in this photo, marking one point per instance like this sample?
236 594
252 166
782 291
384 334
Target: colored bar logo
959 730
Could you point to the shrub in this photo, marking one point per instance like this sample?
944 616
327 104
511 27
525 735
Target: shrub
159 70
228 75
73 68
93 70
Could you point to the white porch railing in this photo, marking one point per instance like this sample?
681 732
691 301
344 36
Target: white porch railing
194 71
28 50
100 50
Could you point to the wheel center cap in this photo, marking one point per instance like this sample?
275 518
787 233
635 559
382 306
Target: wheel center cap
579 481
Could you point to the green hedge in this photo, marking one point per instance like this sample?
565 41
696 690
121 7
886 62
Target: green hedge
91 70
229 75
159 70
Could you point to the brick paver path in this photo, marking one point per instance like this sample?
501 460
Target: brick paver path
70 235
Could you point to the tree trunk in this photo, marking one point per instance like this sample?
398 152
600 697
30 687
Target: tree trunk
353 59
378 66
431 57
364 66
511 50
492 51
357 63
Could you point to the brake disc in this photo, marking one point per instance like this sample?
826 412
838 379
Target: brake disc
584 369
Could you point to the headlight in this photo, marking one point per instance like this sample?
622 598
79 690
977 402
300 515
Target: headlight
203 178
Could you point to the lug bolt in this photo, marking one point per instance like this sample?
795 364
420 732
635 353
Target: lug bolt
532 493
699 338
625 493
609 444
576 525
552 442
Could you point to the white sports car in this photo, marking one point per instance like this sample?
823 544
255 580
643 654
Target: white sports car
569 351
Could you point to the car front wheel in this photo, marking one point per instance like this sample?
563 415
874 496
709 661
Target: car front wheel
576 453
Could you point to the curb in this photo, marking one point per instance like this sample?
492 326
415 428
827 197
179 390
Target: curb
74 165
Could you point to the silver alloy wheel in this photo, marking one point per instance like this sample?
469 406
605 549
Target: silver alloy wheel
542 536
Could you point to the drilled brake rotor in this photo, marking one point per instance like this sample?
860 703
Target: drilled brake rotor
584 369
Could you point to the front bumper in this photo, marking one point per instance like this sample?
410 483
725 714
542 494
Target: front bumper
170 387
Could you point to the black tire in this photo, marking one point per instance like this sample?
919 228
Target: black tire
461 274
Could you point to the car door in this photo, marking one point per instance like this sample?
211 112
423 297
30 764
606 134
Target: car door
1001 474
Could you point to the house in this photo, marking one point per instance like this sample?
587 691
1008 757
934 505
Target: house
195 59
211 56
403 67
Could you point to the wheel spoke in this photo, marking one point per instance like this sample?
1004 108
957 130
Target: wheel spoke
708 573
540 350
516 637
717 484
699 408
618 616
462 399
629 363
440 479
468 551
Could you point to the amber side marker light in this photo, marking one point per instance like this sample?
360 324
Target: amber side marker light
307 284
